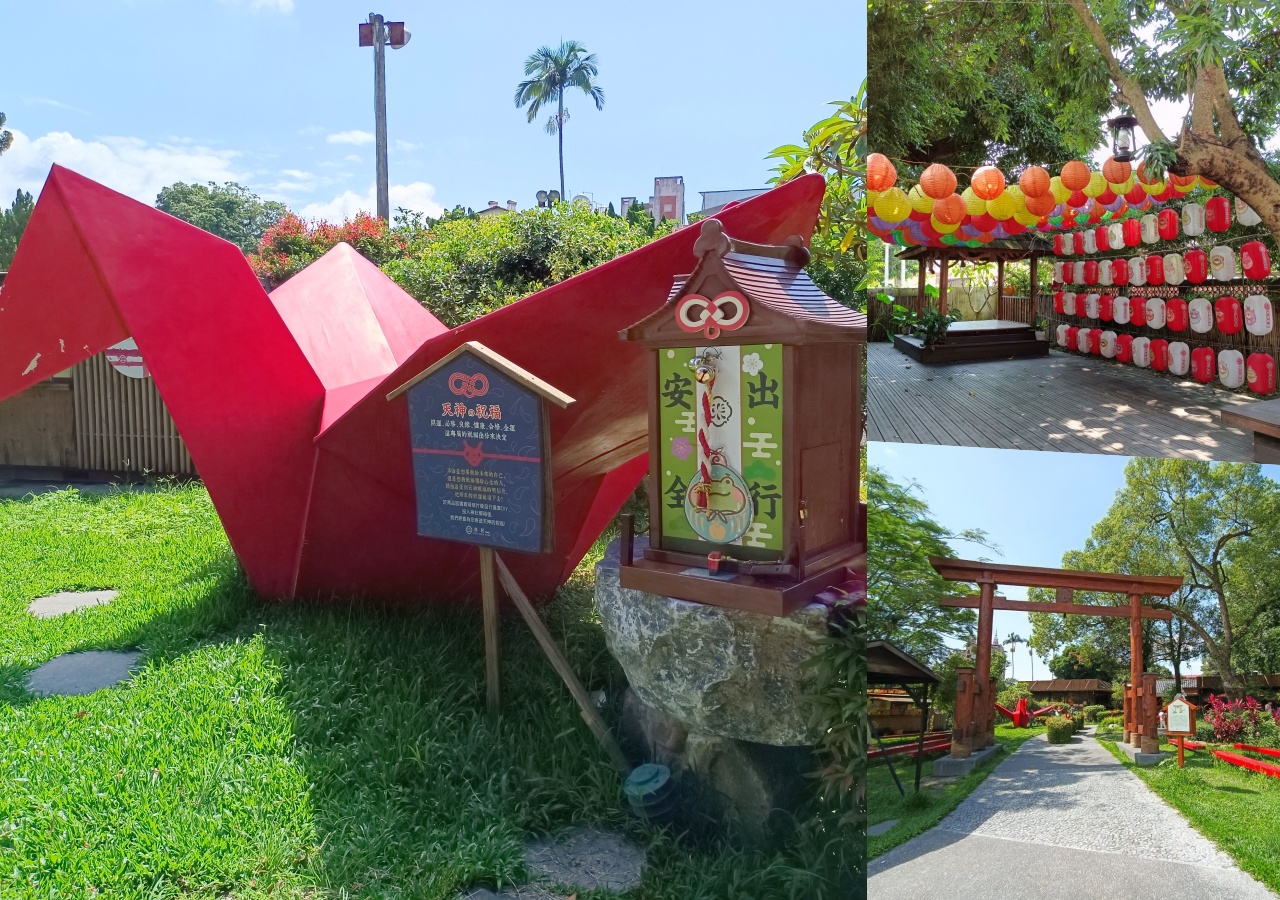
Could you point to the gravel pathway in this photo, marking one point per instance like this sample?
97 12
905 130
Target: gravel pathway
1067 808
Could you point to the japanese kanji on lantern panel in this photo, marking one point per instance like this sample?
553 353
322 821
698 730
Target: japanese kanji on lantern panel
1193 220
1107 344
1175 312
1058 305
1120 271
1255 260
1069 302
1217 214
1124 348
1138 271
1095 341
1104 272
1179 358
1159 354
1257 314
1155 312
1137 311
1204 364
1167 224
1142 352
1196 264
755 420
1106 307
1200 312
1155 269
1231 368
1261 372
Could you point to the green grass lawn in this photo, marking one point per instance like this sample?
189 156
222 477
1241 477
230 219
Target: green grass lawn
294 751
1233 807
916 814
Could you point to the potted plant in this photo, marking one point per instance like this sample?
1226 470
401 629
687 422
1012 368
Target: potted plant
932 326
1042 328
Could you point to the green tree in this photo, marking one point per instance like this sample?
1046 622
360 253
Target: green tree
552 73
1012 642
231 211
1085 661
945 693
902 588
13 222
6 136
1215 524
836 148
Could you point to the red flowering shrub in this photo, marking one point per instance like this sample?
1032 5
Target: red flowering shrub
292 244
1240 720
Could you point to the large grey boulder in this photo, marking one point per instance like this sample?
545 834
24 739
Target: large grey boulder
722 672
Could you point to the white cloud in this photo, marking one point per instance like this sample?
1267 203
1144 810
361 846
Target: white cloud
284 6
354 136
131 166
418 196
406 145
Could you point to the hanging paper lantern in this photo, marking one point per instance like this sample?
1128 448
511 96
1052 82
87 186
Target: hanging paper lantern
1025 218
1090 241
950 210
1155 269
1181 183
938 181
1075 175
987 182
1244 213
1106 307
1155 312
1096 184
1107 197
1042 205
1002 207
1077 199
1222 263
1175 314
1231 368
973 204
1152 188
1120 310
1136 195
1261 372
1167 224
1124 348
1107 344
1204 364
1142 352
1159 354
1205 182
1200 314
1116 172
920 201
1059 190
1179 358
1104 273
1120 271
1228 315
1255 260
893 205
881 175
1137 311
1034 182
1014 226
942 227
1217 214
1257 314
1166 195
1132 232
1138 271
1124 187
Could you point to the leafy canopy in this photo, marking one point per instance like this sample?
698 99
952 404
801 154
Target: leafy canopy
230 210
6 136
13 222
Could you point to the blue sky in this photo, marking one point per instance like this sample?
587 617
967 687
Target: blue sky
1005 493
277 95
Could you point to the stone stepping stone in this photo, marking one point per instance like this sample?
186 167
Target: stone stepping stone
525 892
881 828
586 858
75 674
68 601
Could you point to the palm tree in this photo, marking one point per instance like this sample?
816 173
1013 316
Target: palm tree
1012 642
552 73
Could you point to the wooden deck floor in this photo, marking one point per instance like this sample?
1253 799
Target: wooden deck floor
1067 403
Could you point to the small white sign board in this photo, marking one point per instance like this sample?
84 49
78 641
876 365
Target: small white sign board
1179 718
125 359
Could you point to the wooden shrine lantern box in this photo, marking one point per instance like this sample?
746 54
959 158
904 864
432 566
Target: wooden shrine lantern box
755 419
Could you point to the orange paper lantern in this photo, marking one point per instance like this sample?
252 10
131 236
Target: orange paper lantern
1075 175
881 175
1116 172
938 181
1042 205
987 182
950 210
1034 182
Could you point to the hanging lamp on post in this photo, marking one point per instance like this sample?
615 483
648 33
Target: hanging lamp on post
1123 143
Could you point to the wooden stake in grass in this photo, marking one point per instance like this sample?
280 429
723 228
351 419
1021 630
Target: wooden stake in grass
492 634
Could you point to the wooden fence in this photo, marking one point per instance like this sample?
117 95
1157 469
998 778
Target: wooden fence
1016 308
122 425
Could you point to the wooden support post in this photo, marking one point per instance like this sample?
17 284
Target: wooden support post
922 279
962 727
1135 664
561 665
982 663
992 688
1128 711
1181 750
942 284
492 634
1150 715
1034 294
924 726
1000 288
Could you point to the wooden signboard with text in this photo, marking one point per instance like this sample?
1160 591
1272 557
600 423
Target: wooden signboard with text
1180 723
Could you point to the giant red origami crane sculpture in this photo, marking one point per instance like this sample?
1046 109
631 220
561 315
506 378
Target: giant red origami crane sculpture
281 399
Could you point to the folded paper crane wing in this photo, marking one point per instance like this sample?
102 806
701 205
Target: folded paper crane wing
281 398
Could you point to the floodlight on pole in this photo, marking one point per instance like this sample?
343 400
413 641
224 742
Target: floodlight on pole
377 34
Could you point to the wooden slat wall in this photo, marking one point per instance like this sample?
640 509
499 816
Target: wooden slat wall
122 425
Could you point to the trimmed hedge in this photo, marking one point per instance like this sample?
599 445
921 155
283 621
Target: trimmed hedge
1091 712
1060 729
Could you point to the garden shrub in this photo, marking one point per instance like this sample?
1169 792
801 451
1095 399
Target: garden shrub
1060 729
1204 731
1236 720
1077 721
1091 712
1108 722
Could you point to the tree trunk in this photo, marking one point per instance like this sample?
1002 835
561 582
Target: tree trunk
560 140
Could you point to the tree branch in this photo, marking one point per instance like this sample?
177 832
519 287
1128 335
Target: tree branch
1130 91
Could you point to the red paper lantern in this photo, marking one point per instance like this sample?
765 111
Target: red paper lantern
1196 263
1136 195
1261 373
1217 214
1103 241
1256 260
1106 305
1120 271
1132 231
1167 222
1073 337
1155 269
1057 303
1091 271
1227 315
1057 244
1160 355
1077 242
1095 341
1176 317
1138 311
1204 365
1124 348
1069 273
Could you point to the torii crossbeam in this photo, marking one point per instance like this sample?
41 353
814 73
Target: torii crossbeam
975 689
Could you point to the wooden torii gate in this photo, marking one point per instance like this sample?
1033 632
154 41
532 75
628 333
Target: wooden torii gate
975 689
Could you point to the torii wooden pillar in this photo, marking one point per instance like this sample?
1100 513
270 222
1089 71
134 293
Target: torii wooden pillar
975 688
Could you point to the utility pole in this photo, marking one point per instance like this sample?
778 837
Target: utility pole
377 34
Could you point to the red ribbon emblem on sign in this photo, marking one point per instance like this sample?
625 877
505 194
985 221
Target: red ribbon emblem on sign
727 312
469 386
